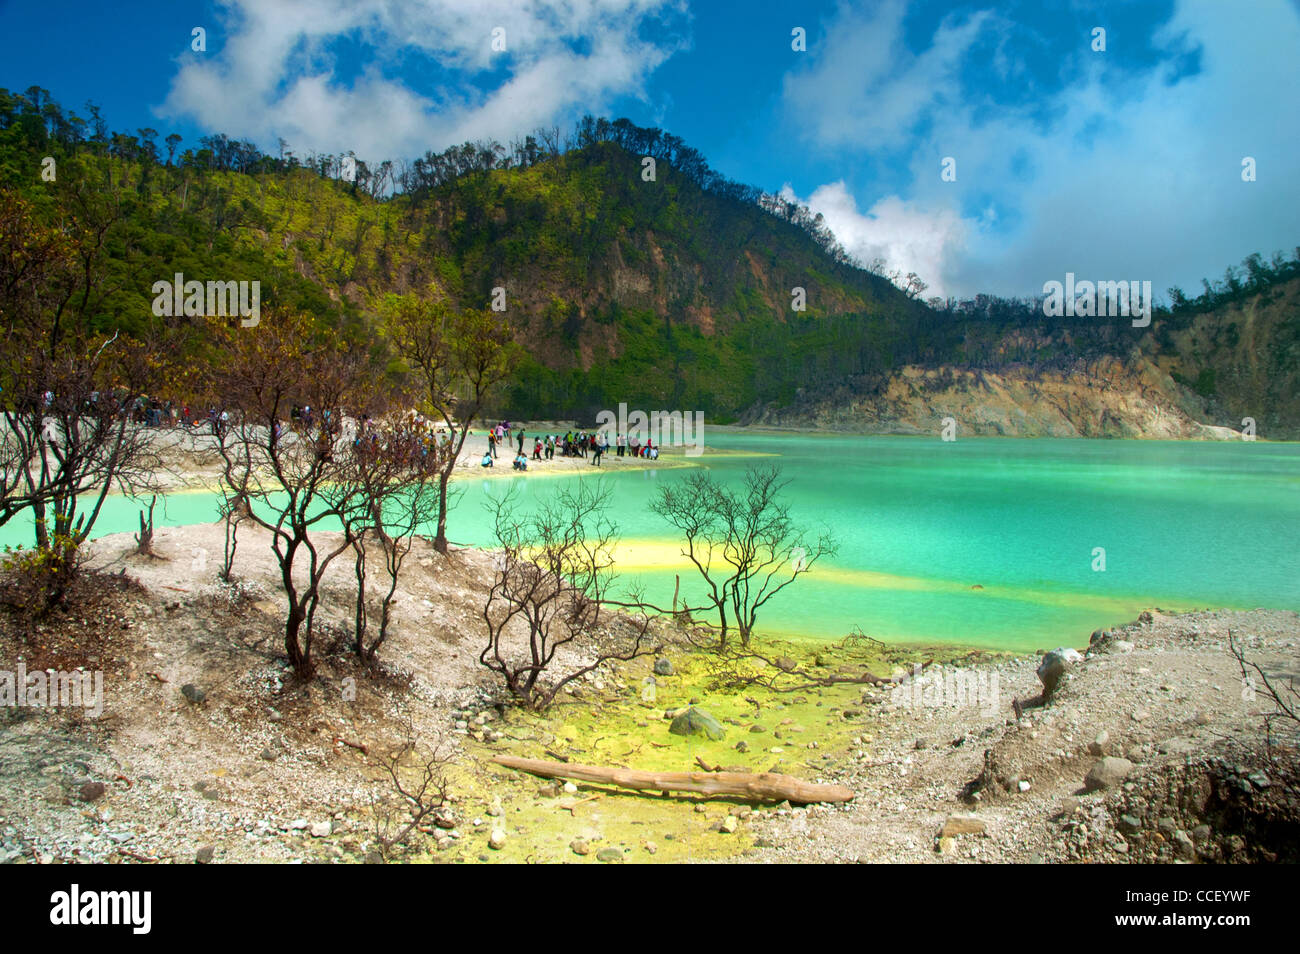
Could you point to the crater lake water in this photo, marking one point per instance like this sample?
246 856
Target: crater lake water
975 542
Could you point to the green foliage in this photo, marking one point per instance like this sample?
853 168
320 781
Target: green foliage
34 580
669 294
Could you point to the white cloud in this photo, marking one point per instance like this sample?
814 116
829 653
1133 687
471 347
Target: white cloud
906 237
269 72
1138 180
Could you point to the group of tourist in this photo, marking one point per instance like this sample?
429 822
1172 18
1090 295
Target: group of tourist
416 434
594 445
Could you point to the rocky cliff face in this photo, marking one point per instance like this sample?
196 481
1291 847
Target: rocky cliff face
1192 376
1243 359
1112 399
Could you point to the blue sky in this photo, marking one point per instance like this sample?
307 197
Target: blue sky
1122 163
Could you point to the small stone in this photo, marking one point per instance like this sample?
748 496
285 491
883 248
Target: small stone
298 824
268 754
205 855
1202 718
92 791
193 693
579 846
321 829
757 728
1107 774
1100 745
570 788
1023 786
497 840
663 666
651 847
609 855
729 825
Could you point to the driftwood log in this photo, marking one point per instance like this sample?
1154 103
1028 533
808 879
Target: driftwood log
764 786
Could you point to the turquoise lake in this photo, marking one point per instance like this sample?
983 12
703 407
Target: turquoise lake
921 521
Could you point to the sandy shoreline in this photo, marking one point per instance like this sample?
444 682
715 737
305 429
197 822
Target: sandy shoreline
193 463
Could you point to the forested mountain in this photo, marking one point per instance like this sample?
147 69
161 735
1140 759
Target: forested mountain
675 292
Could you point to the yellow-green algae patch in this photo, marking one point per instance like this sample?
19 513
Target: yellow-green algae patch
807 733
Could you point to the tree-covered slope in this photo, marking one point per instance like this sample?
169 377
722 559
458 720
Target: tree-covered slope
675 292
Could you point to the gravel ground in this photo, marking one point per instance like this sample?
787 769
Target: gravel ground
1166 694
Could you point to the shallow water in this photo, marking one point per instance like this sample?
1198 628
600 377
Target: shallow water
922 521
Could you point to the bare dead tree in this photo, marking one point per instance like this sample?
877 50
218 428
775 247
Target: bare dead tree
458 360
288 470
390 496
233 509
417 778
66 390
744 543
144 539
554 570
1281 691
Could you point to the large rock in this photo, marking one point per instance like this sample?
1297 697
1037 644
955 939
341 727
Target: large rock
1054 666
1107 774
695 721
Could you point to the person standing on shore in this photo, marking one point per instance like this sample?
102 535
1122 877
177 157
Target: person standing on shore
521 442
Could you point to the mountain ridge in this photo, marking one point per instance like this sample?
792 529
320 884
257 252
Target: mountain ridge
678 292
